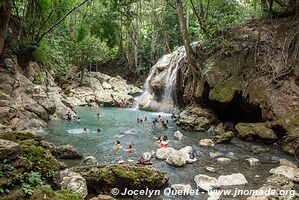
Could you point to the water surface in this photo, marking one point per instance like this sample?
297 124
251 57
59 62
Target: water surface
113 121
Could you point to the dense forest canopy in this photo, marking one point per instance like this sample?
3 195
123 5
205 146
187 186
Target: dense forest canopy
86 33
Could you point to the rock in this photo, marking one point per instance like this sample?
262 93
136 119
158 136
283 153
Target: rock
211 129
210 169
223 160
8 149
253 161
181 157
288 171
73 181
68 152
219 129
205 182
90 160
232 179
252 131
196 118
185 188
104 197
104 178
231 155
206 142
224 137
287 163
258 149
147 155
276 183
178 135
215 154
163 153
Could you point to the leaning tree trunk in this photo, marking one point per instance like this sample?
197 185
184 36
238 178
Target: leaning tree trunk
5 11
182 21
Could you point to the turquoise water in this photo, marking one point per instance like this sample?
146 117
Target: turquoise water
113 121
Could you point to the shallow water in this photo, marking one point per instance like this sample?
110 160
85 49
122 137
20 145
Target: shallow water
113 121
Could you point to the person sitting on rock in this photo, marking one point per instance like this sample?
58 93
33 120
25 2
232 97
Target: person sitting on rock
129 149
117 145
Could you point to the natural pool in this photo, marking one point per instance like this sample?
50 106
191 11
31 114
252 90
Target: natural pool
113 121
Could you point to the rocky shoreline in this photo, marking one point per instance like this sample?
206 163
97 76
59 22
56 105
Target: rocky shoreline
29 99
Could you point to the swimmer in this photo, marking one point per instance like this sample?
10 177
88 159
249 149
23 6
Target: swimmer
85 130
164 125
98 115
145 119
160 119
129 149
69 116
138 120
117 145
98 130
78 119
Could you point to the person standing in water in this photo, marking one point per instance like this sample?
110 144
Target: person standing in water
69 116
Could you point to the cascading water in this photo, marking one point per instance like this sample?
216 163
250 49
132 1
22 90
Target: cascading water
160 86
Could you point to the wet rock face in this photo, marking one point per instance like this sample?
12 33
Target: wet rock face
253 131
104 178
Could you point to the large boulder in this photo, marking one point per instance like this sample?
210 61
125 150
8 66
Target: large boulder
163 153
90 160
224 137
181 157
104 178
196 118
290 172
68 152
72 181
253 131
8 149
232 179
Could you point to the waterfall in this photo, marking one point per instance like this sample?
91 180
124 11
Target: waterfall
160 86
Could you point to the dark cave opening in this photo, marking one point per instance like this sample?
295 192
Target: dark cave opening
236 111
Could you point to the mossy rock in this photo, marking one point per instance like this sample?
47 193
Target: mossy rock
223 91
104 178
41 193
255 131
19 136
40 158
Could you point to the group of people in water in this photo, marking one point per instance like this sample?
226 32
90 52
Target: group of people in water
161 141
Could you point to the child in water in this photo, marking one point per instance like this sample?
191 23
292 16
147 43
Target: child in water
117 145
129 149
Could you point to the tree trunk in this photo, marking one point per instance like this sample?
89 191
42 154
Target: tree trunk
182 21
5 12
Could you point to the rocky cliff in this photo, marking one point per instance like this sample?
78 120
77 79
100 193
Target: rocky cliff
248 76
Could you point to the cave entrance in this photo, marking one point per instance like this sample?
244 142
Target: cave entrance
236 111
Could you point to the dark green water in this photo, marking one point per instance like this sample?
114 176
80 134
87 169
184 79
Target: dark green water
113 121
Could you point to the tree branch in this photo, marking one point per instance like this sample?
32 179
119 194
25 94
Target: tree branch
57 23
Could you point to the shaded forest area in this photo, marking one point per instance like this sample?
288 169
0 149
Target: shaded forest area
120 37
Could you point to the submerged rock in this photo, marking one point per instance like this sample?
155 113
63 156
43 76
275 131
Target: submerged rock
215 154
253 161
72 181
223 160
219 129
185 188
206 142
104 178
210 169
178 135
